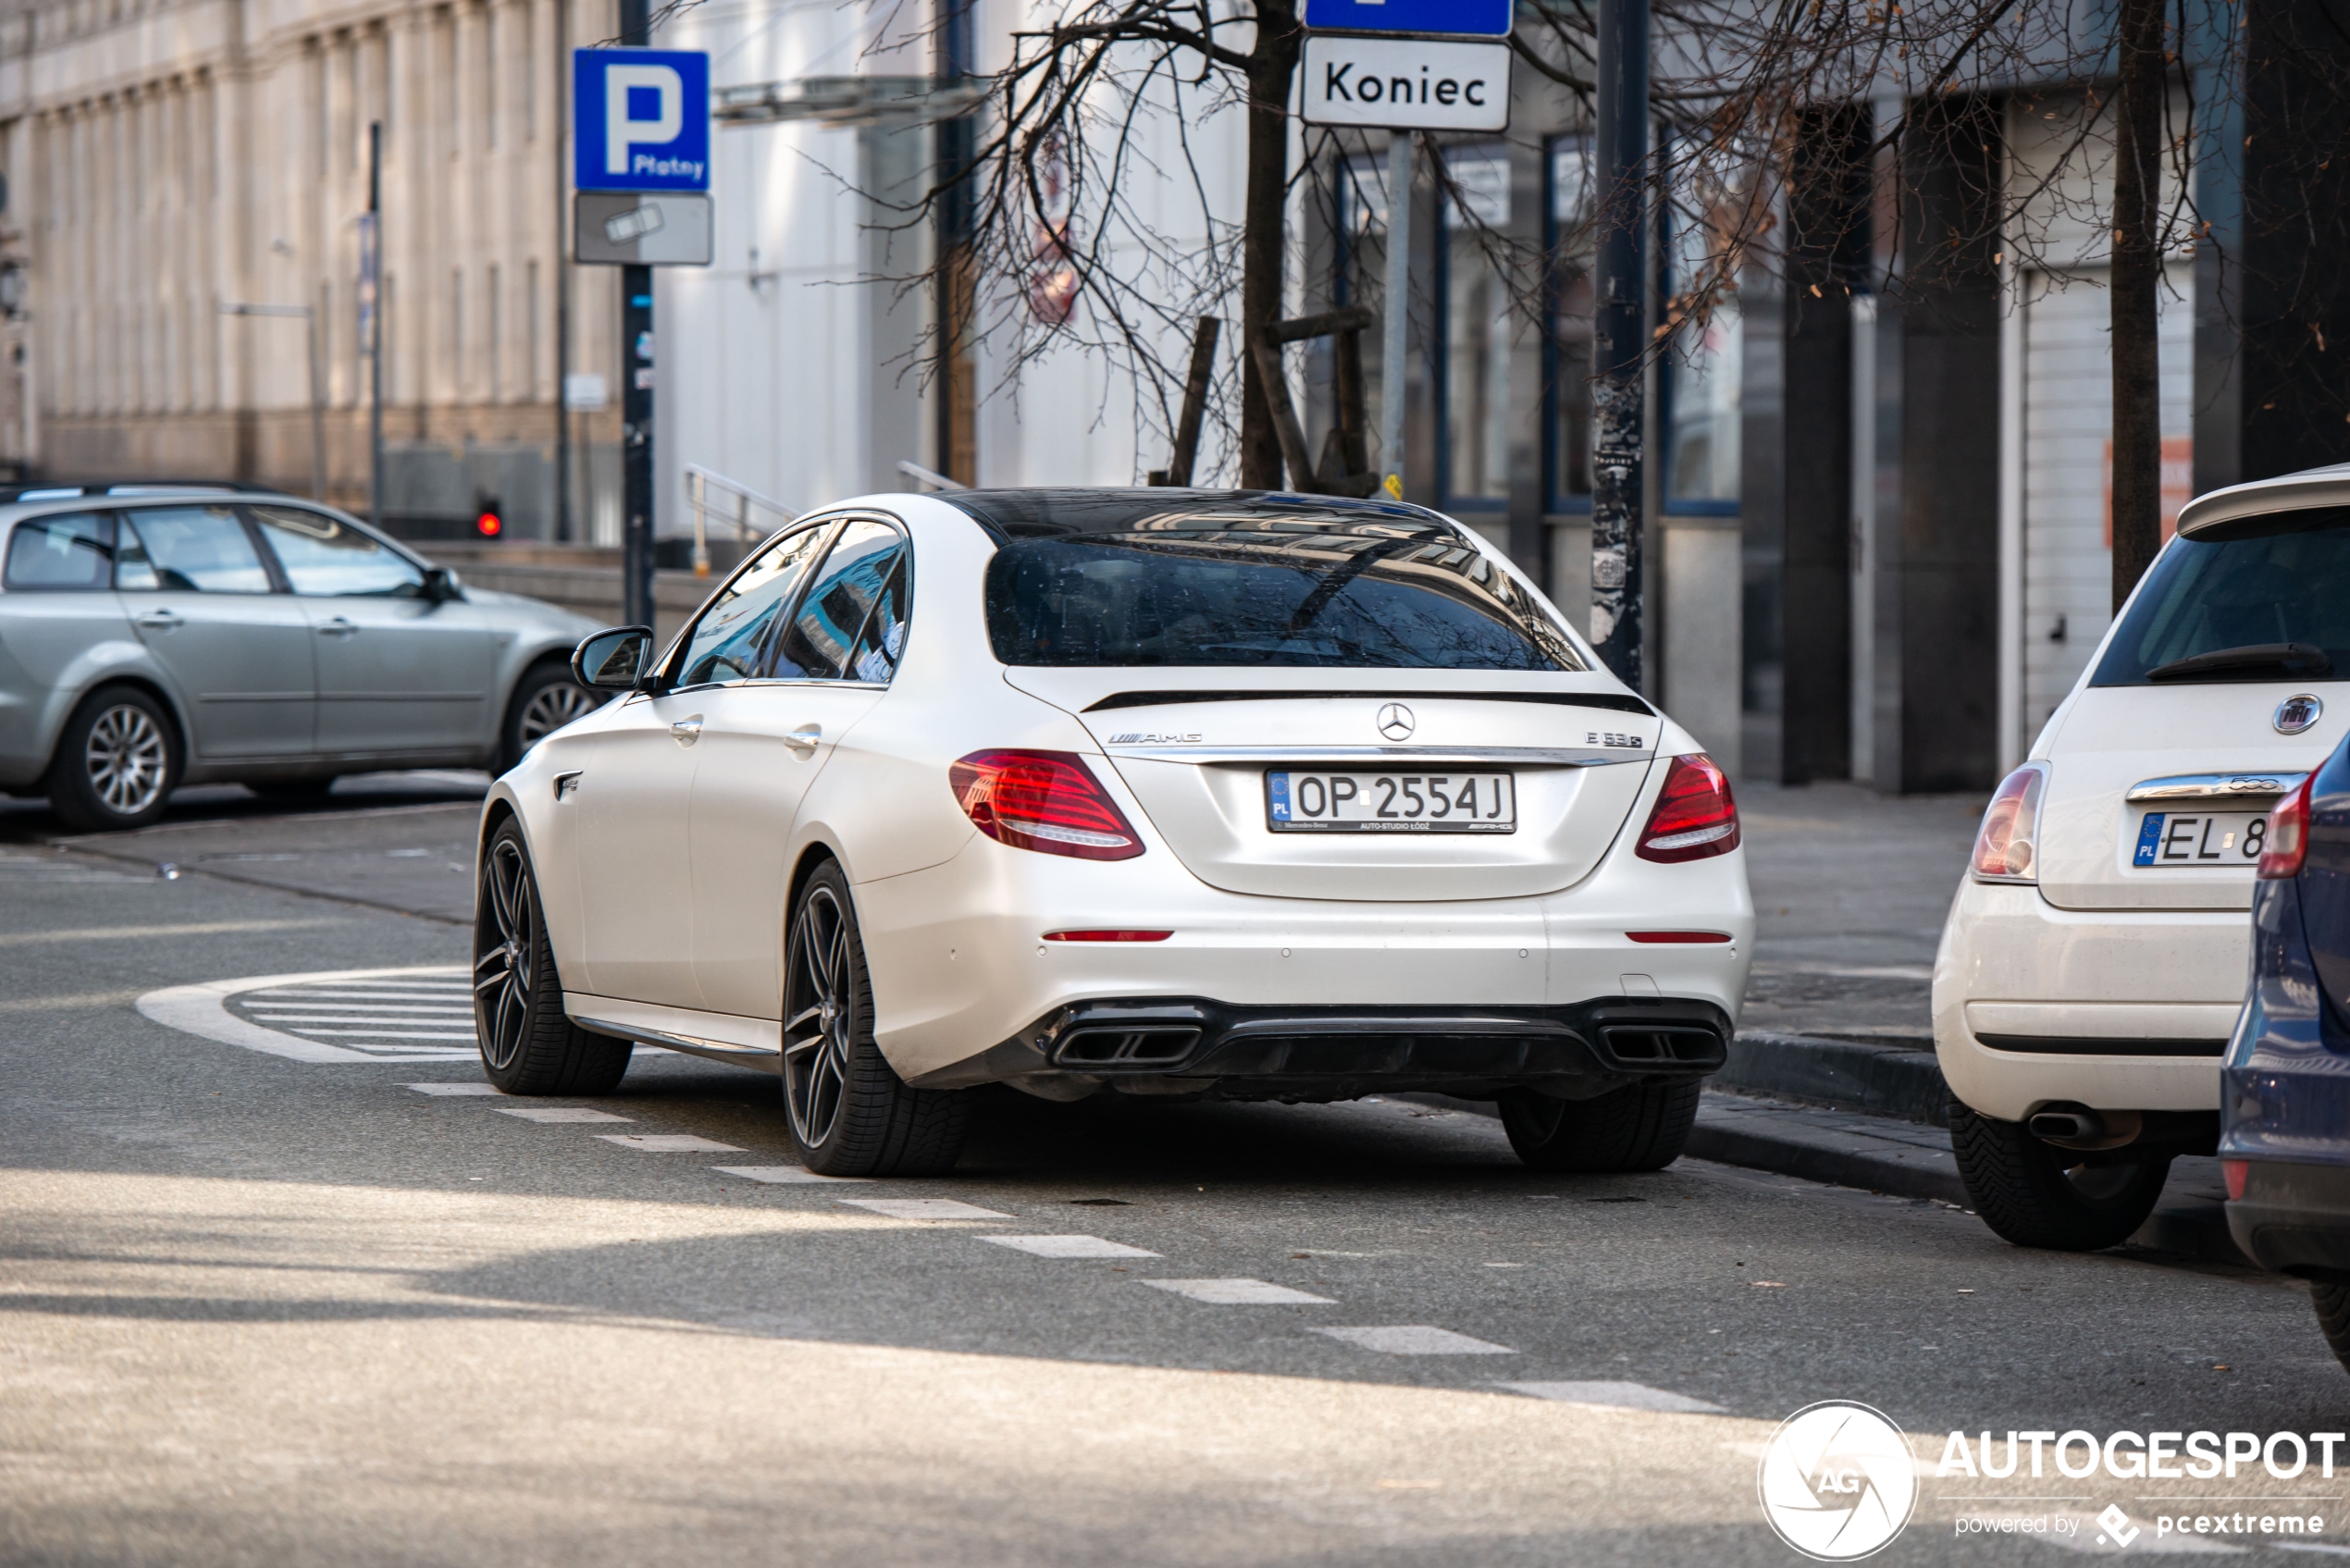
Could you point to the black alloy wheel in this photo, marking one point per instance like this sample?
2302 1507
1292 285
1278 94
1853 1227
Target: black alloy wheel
850 1113
528 1045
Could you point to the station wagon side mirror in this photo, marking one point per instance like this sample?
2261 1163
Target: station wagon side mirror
614 660
440 586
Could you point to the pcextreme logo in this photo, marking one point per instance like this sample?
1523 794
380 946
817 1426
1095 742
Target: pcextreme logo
1838 1482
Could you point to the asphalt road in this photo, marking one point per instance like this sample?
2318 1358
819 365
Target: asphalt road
257 1309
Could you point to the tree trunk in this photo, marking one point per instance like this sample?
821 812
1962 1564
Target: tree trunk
1263 250
2137 279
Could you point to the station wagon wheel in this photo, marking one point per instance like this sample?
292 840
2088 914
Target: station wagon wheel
116 761
502 974
528 1044
552 708
850 1113
818 1016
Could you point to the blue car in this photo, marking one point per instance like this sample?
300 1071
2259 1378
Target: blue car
2284 1138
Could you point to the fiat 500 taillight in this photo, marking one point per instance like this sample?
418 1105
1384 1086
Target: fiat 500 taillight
1048 801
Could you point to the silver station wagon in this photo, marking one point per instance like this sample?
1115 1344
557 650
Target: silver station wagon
152 636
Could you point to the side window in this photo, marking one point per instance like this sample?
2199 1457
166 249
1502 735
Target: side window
325 556
188 550
61 553
852 626
728 639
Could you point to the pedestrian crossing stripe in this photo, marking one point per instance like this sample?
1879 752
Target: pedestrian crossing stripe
204 1009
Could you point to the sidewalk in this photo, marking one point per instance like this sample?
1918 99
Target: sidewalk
1832 1077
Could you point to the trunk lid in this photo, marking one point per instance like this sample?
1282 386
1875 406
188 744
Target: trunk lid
1195 747
2218 746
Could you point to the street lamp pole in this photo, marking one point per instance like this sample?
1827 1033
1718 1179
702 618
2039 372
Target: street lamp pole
1620 337
317 409
371 289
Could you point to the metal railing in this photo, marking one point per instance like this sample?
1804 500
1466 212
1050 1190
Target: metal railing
699 482
921 475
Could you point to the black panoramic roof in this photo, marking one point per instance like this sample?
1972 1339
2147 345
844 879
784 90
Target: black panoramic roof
1048 513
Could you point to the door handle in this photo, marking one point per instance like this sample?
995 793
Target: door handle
687 731
339 628
162 621
803 740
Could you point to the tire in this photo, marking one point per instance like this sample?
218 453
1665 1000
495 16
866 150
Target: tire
850 1113
116 761
2037 1195
292 792
528 1046
545 699
2332 1298
1643 1126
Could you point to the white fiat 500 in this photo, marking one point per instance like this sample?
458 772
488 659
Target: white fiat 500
1149 792
2094 962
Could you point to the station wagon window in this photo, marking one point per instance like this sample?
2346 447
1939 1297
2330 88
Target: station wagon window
326 557
188 550
852 624
70 552
728 639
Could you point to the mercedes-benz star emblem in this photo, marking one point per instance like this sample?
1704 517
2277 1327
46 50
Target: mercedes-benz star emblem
2295 714
1395 721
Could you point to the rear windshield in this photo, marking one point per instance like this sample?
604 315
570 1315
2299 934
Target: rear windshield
1252 590
2259 598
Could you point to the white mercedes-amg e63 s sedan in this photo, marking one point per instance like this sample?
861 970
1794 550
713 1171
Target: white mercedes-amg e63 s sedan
1168 792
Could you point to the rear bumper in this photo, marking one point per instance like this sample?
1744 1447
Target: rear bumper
2113 1009
1195 1045
2294 1218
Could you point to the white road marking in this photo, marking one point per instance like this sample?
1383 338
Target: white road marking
1414 1339
559 1113
924 1208
208 928
669 1144
1619 1396
455 1088
781 1174
1235 1292
279 1011
391 1033
1068 1246
201 1010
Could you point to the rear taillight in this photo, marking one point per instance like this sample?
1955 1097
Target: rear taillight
2007 845
1694 817
2286 845
2235 1173
1043 800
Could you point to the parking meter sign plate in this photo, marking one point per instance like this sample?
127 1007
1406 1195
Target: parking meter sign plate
640 119
1406 83
1481 19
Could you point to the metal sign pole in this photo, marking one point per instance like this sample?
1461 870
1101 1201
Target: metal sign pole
372 280
1394 331
636 399
1620 337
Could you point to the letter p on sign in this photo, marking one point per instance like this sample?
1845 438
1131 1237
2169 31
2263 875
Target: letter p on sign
629 90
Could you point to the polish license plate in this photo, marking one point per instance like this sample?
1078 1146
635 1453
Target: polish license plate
1297 802
2171 839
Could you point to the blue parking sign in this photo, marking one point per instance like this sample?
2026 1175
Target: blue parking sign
1479 18
640 119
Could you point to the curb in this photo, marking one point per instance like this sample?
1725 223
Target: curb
1887 1081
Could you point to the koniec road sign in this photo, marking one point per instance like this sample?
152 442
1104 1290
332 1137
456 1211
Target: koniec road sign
1485 19
1406 83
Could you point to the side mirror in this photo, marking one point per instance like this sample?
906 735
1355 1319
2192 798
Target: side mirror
440 586
614 660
